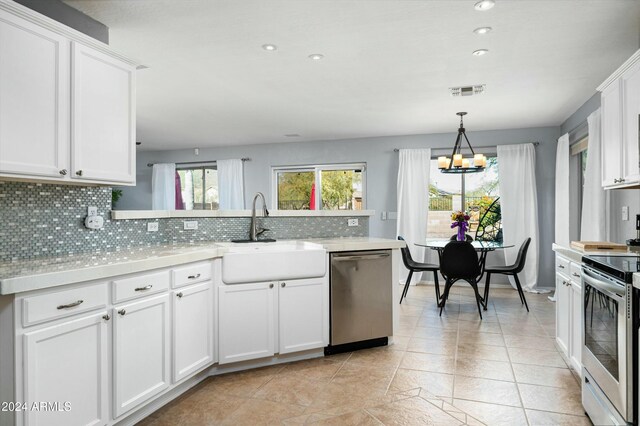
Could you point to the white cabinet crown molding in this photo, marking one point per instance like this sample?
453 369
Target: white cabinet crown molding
53 25
620 71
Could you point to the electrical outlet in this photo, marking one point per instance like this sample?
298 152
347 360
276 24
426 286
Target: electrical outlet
625 212
352 222
92 211
152 227
190 225
383 215
392 215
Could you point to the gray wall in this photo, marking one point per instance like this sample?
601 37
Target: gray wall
619 230
63 13
382 169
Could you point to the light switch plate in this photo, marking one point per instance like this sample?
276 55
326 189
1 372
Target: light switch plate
352 222
383 215
152 227
625 212
392 215
190 225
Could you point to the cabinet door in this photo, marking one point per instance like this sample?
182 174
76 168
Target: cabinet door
246 321
34 99
192 329
141 351
611 135
67 363
301 315
576 327
630 125
103 111
563 312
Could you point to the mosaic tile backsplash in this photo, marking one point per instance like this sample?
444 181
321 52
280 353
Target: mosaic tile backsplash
39 220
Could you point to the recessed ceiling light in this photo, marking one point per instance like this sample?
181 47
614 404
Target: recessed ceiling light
483 5
270 47
482 30
480 52
316 56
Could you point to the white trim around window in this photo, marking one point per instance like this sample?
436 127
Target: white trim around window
317 169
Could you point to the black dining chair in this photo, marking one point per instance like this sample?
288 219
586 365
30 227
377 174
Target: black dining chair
512 270
459 261
414 266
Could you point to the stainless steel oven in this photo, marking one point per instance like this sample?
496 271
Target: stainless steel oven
608 337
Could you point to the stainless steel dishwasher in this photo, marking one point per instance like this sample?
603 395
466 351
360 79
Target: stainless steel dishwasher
361 300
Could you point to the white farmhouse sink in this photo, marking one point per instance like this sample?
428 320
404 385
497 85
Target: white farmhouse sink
281 260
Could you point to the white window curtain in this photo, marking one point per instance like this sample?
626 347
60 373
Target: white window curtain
163 187
563 217
413 202
594 198
519 206
230 184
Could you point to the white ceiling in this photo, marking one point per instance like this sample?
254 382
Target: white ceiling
387 68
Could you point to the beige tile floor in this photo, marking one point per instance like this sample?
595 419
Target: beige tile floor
449 370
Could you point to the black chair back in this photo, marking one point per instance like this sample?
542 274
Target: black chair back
459 261
467 237
521 260
406 254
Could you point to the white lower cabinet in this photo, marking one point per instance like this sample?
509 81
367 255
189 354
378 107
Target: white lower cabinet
254 316
575 351
569 311
140 352
192 329
301 315
563 310
246 322
67 364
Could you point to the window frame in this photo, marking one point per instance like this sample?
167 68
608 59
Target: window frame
203 167
317 169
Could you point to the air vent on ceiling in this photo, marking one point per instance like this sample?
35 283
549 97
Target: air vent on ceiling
476 89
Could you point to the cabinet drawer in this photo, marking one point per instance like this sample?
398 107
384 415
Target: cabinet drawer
562 265
575 270
192 273
140 285
50 306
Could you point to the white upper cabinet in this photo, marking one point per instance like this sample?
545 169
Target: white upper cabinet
103 117
611 135
34 99
630 123
67 104
620 96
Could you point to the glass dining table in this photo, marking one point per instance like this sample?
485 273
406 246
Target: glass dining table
482 247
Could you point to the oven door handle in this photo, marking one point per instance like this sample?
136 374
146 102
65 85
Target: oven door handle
610 290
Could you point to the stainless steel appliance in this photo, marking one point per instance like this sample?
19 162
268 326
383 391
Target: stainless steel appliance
610 339
361 300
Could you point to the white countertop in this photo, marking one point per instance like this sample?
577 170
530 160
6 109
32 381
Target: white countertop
35 274
575 255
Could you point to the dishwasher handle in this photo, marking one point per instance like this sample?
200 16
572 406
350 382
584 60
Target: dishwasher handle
359 257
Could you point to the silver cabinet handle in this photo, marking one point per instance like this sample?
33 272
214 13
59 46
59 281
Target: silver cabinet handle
180 295
106 317
576 275
193 277
359 257
122 312
63 172
146 287
283 285
271 285
71 305
79 173
561 266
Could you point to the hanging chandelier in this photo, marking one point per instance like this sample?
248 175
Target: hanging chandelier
457 164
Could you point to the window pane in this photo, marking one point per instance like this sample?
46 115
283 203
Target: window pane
212 199
341 189
445 197
294 190
481 190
